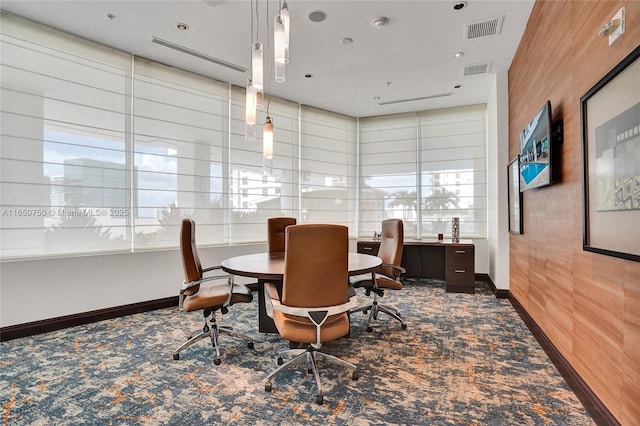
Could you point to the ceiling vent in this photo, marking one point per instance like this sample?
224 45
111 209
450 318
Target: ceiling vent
476 69
398 101
197 54
483 28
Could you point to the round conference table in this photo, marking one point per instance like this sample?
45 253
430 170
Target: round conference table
270 267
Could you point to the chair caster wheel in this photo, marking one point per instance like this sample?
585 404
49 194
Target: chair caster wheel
365 312
176 356
250 345
310 370
319 399
267 387
403 326
355 375
280 360
369 329
217 361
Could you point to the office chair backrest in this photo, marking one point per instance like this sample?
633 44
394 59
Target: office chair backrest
275 232
189 251
316 269
391 245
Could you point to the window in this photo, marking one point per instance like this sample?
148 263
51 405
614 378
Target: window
453 170
449 145
388 181
328 168
178 121
65 184
96 157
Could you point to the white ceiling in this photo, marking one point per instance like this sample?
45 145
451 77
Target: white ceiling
411 57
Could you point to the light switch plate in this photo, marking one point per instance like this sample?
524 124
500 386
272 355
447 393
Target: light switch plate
618 18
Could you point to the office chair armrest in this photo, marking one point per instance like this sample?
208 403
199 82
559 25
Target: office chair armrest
270 294
398 268
187 285
307 312
211 268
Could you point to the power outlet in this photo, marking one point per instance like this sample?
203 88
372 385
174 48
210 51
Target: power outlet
618 23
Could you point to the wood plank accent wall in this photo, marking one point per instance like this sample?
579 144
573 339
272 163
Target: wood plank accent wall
587 304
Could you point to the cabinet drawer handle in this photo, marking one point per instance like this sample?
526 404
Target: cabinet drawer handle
367 248
460 271
461 251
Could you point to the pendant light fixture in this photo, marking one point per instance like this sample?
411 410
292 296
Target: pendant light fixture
267 139
255 85
250 111
279 49
256 90
286 18
257 68
257 72
250 115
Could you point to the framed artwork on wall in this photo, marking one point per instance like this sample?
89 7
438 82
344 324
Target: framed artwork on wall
610 119
515 196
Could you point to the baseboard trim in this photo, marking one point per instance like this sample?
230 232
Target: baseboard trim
498 292
596 409
45 326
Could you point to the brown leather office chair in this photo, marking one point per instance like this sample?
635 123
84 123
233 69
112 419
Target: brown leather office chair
391 245
210 299
276 231
314 303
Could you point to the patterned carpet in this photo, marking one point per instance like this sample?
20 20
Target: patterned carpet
464 360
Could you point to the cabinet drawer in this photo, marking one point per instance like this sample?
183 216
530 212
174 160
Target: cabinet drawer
368 247
460 275
460 256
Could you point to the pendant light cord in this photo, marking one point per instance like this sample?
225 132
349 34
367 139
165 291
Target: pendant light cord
270 55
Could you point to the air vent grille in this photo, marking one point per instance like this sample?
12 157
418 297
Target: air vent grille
197 54
476 69
483 28
437 95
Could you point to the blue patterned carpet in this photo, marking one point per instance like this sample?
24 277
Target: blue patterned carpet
464 360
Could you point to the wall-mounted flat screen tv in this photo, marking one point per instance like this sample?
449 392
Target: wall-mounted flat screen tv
535 150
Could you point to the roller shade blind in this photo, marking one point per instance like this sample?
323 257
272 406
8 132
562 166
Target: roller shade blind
328 168
453 152
449 147
64 182
179 139
388 181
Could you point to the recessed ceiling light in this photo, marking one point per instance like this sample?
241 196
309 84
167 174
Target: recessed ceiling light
317 16
380 22
181 26
376 98
459 5
346 41
458 54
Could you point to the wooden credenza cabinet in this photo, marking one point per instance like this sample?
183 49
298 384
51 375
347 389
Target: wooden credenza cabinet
452 262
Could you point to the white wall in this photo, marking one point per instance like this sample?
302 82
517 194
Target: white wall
33 290
497 160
